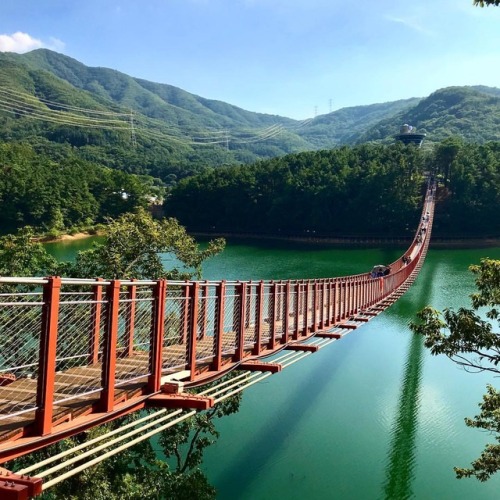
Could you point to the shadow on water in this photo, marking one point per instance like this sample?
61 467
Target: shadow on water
241 472
401 459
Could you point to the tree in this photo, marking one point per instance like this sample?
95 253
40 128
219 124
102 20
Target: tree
471 342
132 246
482 3
22 255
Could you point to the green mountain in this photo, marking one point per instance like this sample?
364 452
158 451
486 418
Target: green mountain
107 117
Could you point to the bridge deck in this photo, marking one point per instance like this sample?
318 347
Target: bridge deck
88 380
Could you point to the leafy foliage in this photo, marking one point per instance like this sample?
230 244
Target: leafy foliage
22 255
472 343
132 246
483 3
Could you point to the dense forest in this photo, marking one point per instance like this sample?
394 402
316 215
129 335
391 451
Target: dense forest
371 190
361 190
64 195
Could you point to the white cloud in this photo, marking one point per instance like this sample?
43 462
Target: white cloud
56 44
22 42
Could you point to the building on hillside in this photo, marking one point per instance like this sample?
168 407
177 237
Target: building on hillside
408 135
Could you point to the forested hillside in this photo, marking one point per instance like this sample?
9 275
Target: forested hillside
63 195
71 135
346 125
368 189
344 191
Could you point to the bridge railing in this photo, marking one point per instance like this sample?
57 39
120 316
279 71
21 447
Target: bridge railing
51 337
66 340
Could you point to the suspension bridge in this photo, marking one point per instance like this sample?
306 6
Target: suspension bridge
78 353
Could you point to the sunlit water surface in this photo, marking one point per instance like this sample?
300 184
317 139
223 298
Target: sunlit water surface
371 416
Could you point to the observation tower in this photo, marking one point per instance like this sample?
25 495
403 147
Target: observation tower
408 135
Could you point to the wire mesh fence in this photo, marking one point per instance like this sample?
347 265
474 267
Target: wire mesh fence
20 331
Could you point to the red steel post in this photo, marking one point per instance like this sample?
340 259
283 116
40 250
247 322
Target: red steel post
204 320
315 307
298 287
351 297
329 308
335 301
324 305
342 300
259 319
185 314
156 336
272 320
110 344
358 295
47 356
306 309
286 320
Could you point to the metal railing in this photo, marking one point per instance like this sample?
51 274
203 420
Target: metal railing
71 339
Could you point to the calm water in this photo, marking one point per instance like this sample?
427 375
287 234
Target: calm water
370 416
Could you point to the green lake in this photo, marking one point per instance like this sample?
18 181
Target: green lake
371 416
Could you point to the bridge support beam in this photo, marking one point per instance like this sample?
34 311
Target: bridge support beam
260 366
302 347
181 400
348 326
329 335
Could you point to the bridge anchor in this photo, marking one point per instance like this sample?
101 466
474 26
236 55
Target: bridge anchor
18 487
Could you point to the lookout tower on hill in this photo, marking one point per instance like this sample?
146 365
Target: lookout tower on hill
408 135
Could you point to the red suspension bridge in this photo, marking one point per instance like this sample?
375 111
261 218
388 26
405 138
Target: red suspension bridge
77 353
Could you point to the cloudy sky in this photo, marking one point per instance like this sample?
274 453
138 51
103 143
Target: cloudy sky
295 58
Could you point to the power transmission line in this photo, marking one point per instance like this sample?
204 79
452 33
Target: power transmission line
19 103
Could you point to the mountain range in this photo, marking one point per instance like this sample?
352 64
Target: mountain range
54 101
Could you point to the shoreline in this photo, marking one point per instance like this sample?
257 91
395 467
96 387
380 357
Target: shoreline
357 241
361 241
66 237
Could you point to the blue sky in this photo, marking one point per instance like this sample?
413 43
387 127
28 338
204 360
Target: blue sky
295 58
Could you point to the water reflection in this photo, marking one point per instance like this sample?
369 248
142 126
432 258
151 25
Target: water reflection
401 460
399 472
